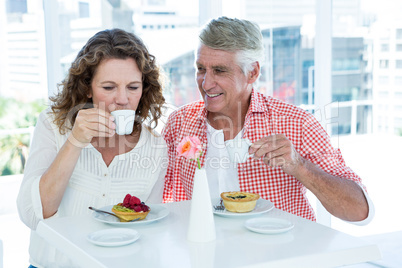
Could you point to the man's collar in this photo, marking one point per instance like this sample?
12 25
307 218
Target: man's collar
257 103
202 114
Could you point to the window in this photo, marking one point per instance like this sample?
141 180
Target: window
398 122
16 6
383 94
398 33
384 47
384 64
398 64
398 81
383 80
83 8
345 64
398 47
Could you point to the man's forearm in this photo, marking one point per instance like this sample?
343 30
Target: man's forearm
342 197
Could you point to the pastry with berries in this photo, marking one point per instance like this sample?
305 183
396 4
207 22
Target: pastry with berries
131 208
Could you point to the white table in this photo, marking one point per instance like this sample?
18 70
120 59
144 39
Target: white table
163 243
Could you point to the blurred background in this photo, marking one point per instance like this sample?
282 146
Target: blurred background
339 59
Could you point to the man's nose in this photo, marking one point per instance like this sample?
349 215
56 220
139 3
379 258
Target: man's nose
208 81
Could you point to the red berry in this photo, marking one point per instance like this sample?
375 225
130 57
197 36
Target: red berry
135 200
126 199
137 208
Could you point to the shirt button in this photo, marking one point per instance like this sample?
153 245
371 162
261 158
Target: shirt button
104 195
105 174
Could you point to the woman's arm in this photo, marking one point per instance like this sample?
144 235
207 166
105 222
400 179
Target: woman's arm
89 123
48 169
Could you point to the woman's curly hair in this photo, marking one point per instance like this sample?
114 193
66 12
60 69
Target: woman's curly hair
76 87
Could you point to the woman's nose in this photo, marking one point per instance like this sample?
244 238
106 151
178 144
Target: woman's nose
122 96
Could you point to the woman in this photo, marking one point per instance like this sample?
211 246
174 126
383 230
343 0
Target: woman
76 159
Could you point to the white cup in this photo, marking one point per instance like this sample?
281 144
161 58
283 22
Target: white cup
238 150
124 120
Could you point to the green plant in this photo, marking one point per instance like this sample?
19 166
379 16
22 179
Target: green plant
14 148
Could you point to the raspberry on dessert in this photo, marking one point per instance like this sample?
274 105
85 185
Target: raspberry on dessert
131 208
134 200
127 200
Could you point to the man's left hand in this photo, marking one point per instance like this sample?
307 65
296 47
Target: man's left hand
277 151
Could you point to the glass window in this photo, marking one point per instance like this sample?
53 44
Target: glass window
385 47
398 64
383 94
83 9
383 80
398 47
384 64
398 33
398 80
16 6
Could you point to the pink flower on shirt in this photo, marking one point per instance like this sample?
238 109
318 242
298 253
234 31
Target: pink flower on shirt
190 148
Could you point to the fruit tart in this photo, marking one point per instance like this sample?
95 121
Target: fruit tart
239 201
131 208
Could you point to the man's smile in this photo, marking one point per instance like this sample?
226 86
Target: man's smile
213 95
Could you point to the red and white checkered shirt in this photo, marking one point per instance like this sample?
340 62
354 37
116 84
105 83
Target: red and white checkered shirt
266 116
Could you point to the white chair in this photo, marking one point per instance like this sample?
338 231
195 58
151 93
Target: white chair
1 254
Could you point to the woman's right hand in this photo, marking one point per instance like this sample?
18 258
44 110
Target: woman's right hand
91 123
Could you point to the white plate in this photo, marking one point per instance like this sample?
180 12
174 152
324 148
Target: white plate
262 206
268 225
157 212
113 237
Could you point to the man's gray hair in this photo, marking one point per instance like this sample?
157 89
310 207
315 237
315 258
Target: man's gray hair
241 36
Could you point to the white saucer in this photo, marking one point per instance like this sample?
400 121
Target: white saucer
113 237
262 206
268 225
157 212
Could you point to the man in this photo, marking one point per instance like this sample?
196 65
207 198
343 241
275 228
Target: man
291 151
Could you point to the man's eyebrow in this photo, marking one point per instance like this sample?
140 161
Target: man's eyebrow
215 67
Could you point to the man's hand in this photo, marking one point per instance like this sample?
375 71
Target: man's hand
341 197
277 151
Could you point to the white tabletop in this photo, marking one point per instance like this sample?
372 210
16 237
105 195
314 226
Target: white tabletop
163 243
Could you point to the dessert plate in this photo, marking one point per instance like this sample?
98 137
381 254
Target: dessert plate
268 225
157 212
113 237
262 206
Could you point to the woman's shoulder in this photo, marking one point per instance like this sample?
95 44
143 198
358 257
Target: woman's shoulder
151 135
47 117
46 122
189 111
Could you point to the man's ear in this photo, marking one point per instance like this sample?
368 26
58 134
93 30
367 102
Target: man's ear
254 73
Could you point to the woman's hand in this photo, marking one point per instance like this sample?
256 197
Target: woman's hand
91 123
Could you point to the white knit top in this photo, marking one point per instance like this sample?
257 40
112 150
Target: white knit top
139 172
